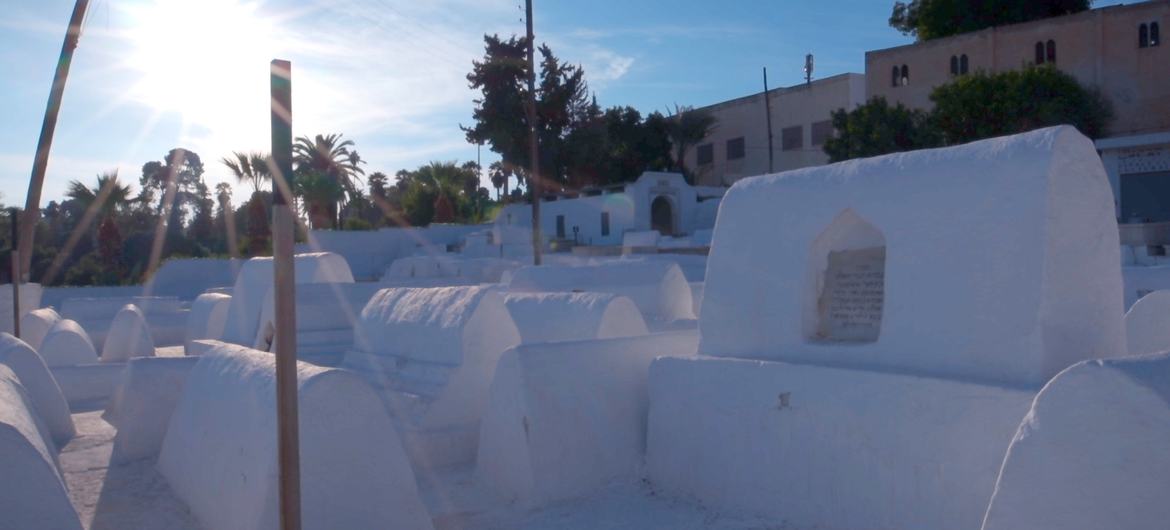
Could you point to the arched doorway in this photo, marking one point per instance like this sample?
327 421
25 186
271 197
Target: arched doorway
662 216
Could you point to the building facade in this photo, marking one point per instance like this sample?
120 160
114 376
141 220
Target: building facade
1118 50
738 145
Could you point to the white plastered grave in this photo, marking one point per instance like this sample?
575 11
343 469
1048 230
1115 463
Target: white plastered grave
35 324
46 397
1147 324
554 317
129 337
220 455
432 352
207 319
67 344
658 288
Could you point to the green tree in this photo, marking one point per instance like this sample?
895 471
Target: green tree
249 167
106 198
330 167
978 106
687 128
876 128
173 181
932 19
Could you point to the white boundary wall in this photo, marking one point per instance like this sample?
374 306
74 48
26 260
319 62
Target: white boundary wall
555 317
1147 324
563 419
1091 453
828 448
43 392
219 454
32 493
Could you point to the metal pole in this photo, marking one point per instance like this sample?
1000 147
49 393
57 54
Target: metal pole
32 204
768 113
283 223
15 276
533 150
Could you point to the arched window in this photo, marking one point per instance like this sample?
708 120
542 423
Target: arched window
1155 34
895 77
1050 56
1039 53
963 64
1143 36
954 65
905 75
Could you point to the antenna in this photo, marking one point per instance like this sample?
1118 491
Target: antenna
808 68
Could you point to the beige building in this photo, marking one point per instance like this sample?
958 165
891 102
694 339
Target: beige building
1117 49
738 145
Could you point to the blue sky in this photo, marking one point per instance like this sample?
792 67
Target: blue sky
150 75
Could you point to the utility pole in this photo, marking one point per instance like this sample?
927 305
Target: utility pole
284 298
533 150
768 113
32 204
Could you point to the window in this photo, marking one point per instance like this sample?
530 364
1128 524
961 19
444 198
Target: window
1050 49
1039 53
963 64
792 138
560 227
605 223
895 77
954 65
706 154
1155 34
735 148
821 132
905 75
1143 36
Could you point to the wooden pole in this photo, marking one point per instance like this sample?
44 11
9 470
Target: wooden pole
533 150
768 113
15 263
32 203
283 223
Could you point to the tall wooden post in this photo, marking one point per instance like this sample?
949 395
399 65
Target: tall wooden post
533 150
15 263
32 203
288 448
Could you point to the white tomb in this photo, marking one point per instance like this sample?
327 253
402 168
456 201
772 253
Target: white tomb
554 317
207 319
433 353
142 405
1147 324
46 397
67 344
254 285
326 316
129 337
220 455
658 288
1000 262
35 324
874 330
1091 453
32 493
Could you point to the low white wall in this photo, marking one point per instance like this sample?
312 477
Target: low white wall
32 493
354 472
35 324
370 252
828 448
1147 324
207 318
187 278
555 317
30 298
67 344
1091 453
46 396
129 337
86 386
563 419
1140 281
658 288
142 405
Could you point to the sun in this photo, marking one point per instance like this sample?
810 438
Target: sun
206 60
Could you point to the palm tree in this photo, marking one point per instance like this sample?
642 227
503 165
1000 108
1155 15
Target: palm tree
105 199
335 160
688 127
499 175
249 167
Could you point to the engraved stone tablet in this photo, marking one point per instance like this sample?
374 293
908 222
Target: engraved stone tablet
850 305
